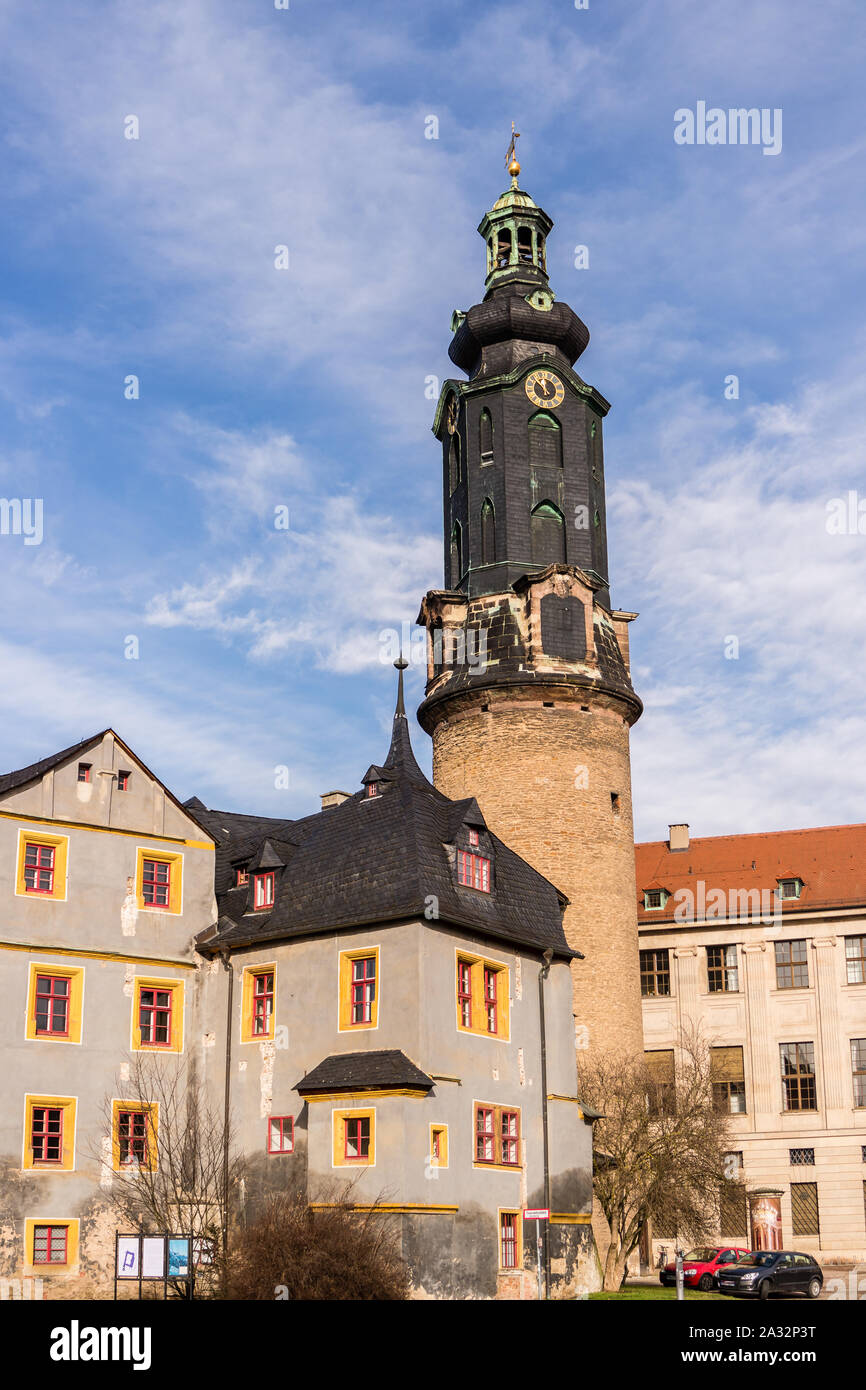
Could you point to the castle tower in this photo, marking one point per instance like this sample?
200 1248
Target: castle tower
529 698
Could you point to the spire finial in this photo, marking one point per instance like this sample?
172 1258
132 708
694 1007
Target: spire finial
511 157
401 663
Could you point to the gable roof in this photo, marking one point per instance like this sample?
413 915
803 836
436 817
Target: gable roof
830 860
348 1071
10 781
379 859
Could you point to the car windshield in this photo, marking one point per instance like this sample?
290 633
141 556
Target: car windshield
758 1257
704 1256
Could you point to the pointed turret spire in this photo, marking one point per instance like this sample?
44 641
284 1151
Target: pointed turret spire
401 663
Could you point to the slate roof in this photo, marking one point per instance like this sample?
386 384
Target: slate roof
377 859
368 1071
830 860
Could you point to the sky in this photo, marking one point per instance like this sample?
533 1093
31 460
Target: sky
163 600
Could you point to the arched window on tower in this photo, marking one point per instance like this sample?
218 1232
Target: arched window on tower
485 436
545 441
489 254
488 533
548 535
542 258
503 248
453 462
524 244
456 555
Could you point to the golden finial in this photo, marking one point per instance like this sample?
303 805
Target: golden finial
511 157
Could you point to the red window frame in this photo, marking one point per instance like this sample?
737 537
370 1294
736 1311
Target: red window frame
473 838
154 1015
285 1130
52 1237
473 871
508 1240
156 882
435 1147
363 988
464 992
39 868
263 888
510 1138
371 789
84 770
242 876
359 1127
485 1134
46 1134
123 781
56 1001
491 999
263 1003
133 1137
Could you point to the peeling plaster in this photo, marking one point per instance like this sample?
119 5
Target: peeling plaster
208 1040
129 981
521 1068
266 1080
106 1171
129 909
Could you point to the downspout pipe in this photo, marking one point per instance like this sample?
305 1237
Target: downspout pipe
227 965
542 976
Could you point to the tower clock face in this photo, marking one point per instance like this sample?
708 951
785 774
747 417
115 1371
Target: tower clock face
543 388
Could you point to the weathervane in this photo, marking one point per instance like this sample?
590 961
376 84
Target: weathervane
511 159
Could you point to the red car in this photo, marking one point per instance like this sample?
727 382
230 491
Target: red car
700 1266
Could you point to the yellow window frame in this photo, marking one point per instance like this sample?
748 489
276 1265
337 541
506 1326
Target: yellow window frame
176 988
478 964
175 893
68 1104
60 844
247 993
71 1262
338 1134
75 1008
442 1160
345 1024
138 1107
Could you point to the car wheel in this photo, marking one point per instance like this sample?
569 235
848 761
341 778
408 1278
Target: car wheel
765 1288
814 1288
705 1282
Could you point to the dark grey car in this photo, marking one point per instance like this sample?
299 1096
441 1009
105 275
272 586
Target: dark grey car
764 1272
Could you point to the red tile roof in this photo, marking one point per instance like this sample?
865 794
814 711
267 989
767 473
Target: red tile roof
830 860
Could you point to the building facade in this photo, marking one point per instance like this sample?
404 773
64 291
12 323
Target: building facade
378 994
104 880
760 941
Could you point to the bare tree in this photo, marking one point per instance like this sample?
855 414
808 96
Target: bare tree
169 1169
660 1147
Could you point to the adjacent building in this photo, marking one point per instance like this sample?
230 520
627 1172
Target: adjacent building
760 941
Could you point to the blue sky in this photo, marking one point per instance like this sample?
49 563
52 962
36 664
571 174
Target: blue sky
306 388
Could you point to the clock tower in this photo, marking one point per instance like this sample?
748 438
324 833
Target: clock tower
529 698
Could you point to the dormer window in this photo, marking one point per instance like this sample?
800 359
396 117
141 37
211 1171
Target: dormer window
263 892
654 899
473 871
473 838
241 876
372 789
789 887
84 770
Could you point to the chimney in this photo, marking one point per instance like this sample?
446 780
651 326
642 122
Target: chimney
678 837
334 799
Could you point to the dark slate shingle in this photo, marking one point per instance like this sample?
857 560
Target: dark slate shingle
366 1071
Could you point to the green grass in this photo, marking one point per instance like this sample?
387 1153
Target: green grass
642 1291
